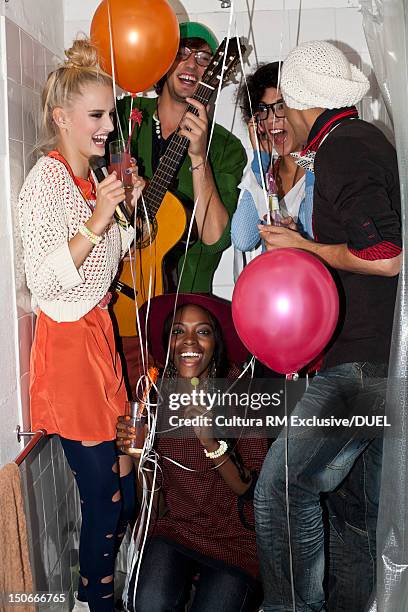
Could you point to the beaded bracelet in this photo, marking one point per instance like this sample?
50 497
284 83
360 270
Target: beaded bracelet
221 450
94 238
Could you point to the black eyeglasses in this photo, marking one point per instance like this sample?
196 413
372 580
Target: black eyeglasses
203 58
277 108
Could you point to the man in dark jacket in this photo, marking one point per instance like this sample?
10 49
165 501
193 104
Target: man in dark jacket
357 233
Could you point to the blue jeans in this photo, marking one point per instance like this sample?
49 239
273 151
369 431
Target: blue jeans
318 462
352 516
166 578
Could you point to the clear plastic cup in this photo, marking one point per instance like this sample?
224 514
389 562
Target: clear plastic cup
119 160
135 419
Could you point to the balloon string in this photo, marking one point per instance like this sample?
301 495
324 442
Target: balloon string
257 151
144 349
292 579
130 125
224 59
134 554
198 196
255 130
294 377
141 529
113 68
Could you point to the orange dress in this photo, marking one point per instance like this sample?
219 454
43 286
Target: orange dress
76 382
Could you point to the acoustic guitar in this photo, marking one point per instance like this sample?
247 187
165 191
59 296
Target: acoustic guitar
161 227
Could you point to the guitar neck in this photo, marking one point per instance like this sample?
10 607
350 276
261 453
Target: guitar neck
172 159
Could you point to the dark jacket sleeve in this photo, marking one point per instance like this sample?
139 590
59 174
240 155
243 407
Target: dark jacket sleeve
363 189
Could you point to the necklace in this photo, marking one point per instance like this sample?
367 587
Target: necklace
86 187
157 127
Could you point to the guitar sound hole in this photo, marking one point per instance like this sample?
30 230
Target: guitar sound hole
143 236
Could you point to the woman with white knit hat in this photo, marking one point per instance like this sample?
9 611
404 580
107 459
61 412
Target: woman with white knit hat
357 233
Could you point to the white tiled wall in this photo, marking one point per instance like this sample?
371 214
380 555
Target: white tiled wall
27 64
25 34
272 27
9 389
42 19
52 509
22 73
29 51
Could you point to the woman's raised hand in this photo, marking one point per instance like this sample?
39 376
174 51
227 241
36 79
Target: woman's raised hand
110 192
133 194
203 429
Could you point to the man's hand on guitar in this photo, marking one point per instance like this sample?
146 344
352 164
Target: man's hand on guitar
195 128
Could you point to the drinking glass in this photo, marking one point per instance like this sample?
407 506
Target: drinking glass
138 421
120 161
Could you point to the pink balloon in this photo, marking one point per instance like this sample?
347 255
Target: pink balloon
285 308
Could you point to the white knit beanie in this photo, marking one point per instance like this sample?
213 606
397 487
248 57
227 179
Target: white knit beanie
318 75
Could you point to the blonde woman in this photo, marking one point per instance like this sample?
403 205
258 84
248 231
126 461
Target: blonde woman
72 248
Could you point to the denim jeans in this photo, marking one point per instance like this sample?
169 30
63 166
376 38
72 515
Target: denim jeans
166 578
318 462
352 516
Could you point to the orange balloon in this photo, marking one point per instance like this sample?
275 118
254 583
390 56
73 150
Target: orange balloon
145 40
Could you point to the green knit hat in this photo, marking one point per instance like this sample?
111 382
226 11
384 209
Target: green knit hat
192 29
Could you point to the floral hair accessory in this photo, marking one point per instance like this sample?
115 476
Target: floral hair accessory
136 116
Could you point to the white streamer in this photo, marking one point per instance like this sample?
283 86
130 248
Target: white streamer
268 213
149 455
197 199
113 66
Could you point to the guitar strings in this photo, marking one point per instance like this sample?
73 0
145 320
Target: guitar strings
178 144
197 199
177 147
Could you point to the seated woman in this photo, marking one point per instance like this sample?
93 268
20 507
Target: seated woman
293 186
206 534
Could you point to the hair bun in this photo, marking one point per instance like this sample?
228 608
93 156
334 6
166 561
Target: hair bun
82 54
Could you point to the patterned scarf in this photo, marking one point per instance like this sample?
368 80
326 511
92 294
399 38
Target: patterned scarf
305 159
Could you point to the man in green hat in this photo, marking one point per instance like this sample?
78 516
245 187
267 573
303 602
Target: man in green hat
214 185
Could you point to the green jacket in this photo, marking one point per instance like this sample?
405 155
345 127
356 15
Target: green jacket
227 158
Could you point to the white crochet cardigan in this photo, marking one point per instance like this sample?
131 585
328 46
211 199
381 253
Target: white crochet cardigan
51 210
